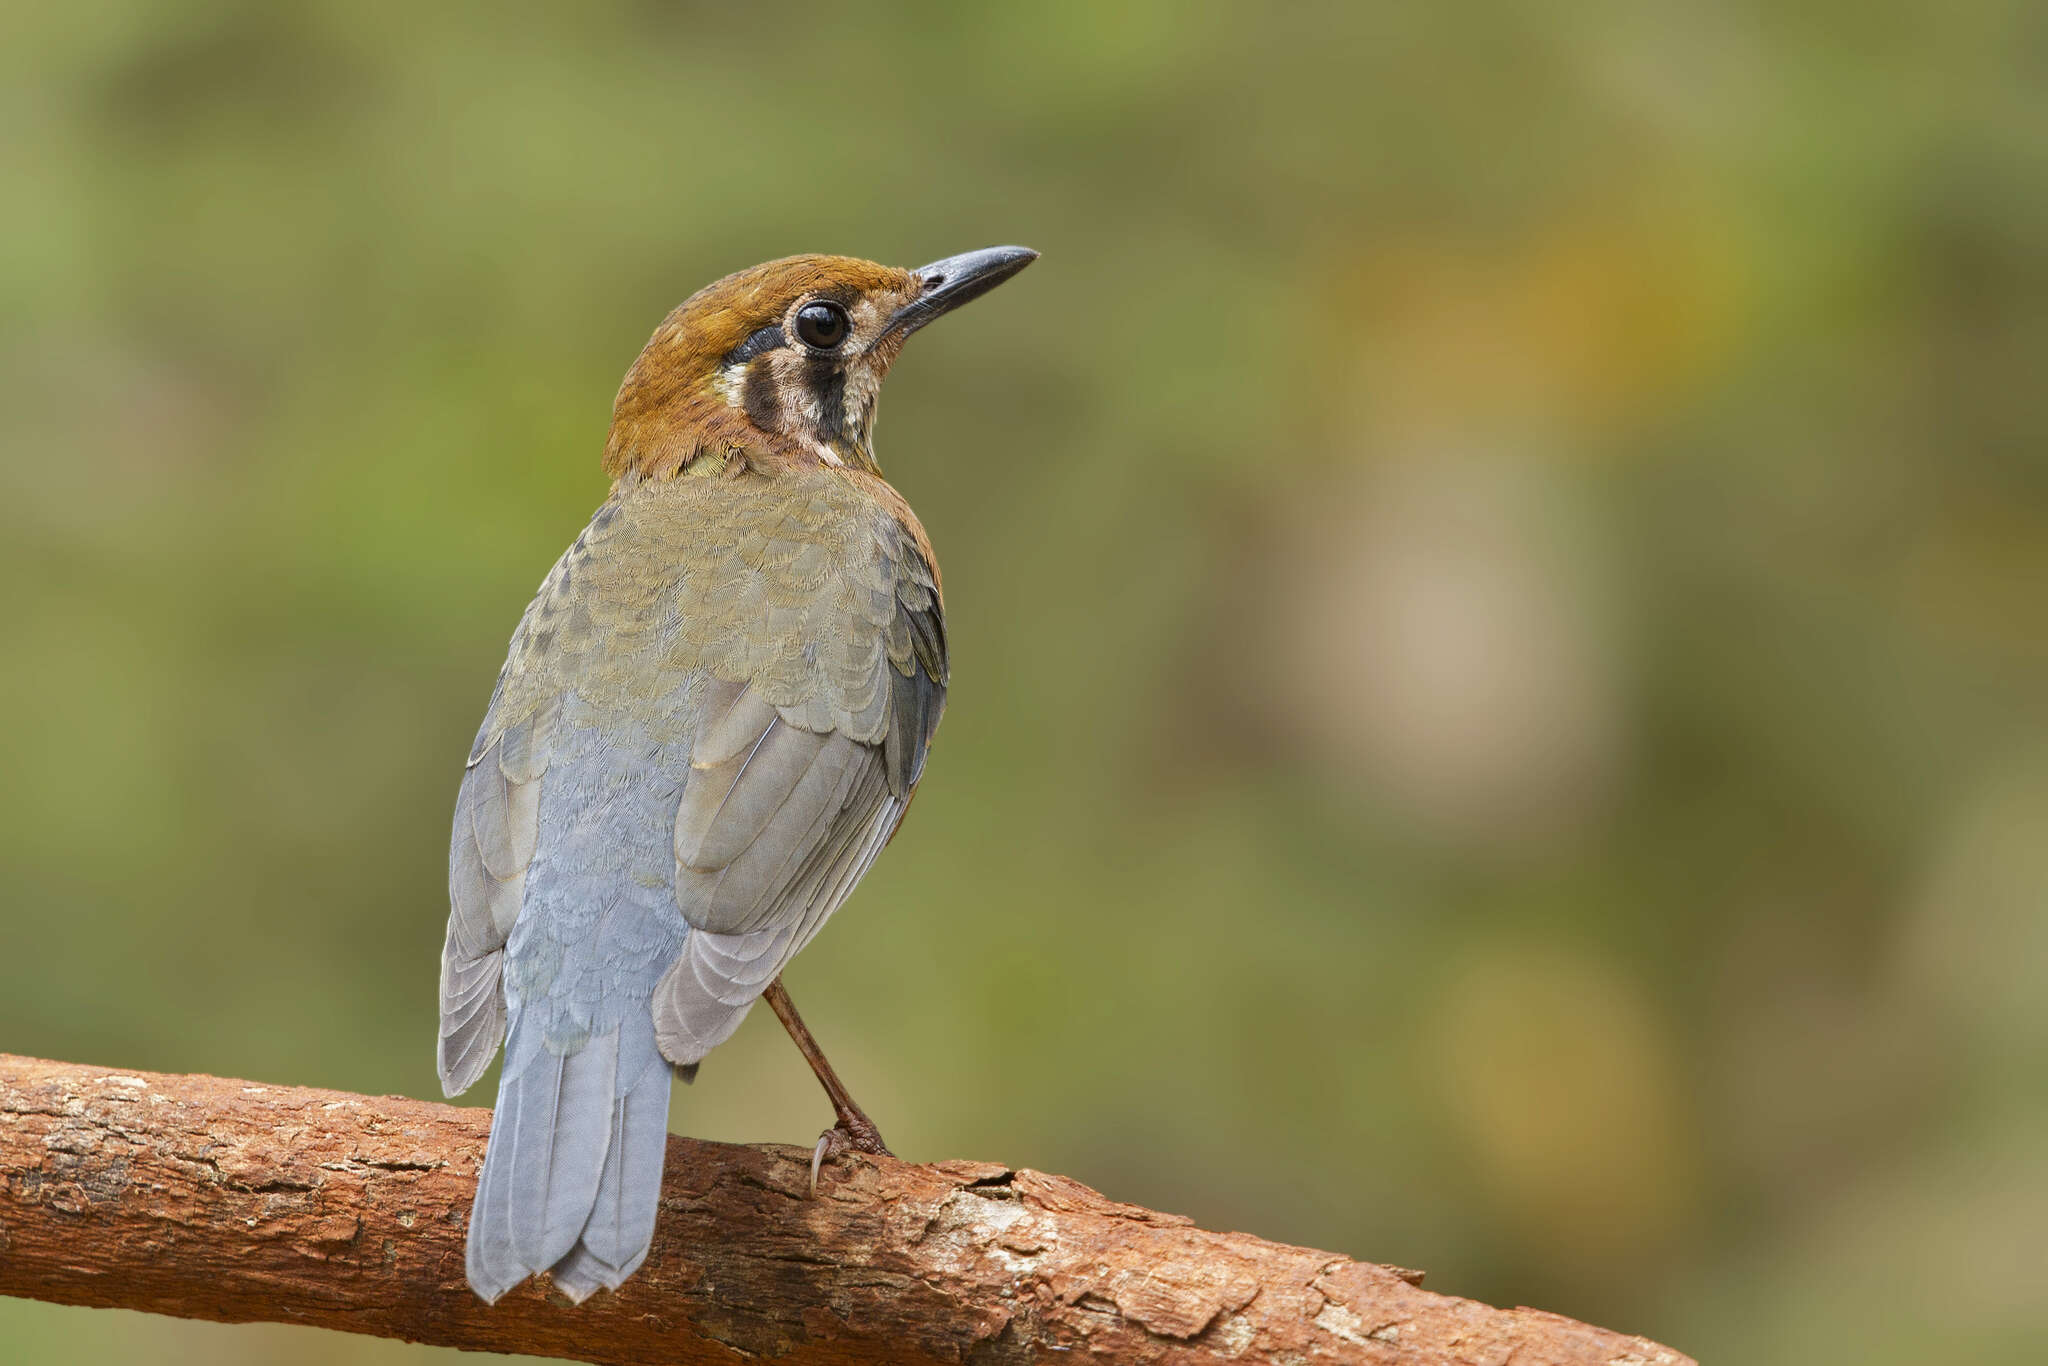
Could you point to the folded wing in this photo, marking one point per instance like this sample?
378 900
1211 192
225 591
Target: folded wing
786 806
497 821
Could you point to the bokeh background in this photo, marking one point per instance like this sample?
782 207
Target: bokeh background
1496 568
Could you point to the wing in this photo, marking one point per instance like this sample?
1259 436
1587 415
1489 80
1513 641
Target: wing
497 824
789 800
497 810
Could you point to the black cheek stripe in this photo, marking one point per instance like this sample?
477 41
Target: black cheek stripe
758 397
831 390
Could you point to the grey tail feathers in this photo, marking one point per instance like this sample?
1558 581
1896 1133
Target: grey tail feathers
572 1175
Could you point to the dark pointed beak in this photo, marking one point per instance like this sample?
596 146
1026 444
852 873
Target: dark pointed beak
955 280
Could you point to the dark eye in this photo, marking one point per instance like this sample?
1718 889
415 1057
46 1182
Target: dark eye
821 325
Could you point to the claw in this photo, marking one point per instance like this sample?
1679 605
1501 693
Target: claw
818 1156
855 1135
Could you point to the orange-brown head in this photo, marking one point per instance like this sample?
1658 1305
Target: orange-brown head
780 364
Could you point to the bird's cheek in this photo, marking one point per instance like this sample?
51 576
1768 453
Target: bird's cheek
761 397
862 384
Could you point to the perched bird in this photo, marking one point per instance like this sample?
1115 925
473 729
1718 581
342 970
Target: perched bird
711 719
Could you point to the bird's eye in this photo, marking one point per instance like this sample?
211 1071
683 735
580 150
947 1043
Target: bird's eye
821 325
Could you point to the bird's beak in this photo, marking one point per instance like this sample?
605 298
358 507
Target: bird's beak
953 281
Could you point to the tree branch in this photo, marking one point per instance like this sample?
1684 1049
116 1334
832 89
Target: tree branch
223 1200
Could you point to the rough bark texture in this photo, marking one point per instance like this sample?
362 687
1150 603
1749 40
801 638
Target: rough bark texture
226 1200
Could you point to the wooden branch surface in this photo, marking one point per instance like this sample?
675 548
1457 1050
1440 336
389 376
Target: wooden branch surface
226 1200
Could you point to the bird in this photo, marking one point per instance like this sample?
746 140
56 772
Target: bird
711 718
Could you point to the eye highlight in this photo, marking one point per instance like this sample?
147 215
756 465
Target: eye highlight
821 324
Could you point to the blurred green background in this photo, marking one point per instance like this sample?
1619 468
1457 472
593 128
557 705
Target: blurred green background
1496 570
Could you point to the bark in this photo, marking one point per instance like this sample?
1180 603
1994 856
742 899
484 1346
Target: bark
225 1200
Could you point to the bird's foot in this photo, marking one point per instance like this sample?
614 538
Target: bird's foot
854 1133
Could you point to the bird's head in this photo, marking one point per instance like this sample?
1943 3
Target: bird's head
781 364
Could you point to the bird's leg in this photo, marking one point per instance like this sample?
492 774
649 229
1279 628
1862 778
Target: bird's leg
854 1132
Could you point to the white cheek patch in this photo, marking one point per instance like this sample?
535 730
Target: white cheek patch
728 383
861 384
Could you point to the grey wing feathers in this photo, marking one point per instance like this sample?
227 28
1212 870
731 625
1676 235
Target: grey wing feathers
495 830
917 675
761 795
783 809
775 826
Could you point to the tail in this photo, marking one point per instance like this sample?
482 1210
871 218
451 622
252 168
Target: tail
573 1172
